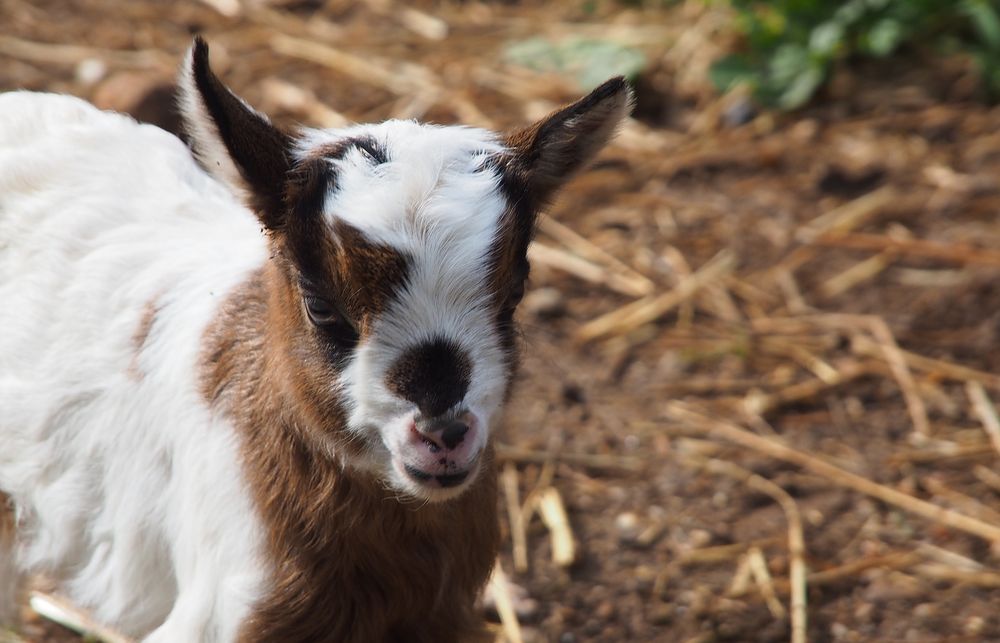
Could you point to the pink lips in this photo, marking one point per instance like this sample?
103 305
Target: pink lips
442 455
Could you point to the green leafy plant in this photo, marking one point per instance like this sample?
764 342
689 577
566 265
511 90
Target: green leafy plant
589 61
792 45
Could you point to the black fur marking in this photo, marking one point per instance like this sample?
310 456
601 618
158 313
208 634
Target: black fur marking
260 151
305 196
508 254
375 150
372 147
313 253
518 226
434 375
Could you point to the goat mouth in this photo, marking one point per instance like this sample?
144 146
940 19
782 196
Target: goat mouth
443 480
435 483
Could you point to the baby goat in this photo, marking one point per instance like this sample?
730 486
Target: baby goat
252 400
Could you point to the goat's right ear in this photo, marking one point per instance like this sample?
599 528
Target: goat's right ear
234 142
560 145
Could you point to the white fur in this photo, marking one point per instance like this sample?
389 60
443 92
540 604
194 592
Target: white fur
127 487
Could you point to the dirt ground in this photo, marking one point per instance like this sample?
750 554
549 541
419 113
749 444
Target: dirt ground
762 350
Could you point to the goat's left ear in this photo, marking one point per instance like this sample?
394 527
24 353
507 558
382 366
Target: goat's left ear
556 147
234 142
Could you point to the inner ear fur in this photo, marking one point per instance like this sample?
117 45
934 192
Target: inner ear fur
561 144
233 141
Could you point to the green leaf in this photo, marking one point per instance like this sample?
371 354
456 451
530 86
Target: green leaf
851 11
589 61
792 44
883 38
788 63
802 88
985 20
826 39
989 70
732 70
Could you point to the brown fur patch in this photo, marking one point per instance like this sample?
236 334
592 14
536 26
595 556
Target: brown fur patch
9 576
369 273
351 562
342 264
141 334
7 525
11 586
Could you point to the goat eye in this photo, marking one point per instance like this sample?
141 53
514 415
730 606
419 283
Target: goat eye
328 318
321 312
515 296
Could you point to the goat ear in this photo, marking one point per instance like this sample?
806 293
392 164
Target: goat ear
561 144
234 142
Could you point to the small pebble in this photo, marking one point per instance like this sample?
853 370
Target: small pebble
924 610
974 625
699 538
893 586
649 535
573 394
532 635
864 612
661 615
739 113
90 71
627 524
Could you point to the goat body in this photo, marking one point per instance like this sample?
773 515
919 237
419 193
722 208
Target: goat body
254 403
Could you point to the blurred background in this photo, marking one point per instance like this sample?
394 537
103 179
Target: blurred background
763 331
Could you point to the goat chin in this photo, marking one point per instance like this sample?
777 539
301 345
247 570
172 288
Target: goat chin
250 399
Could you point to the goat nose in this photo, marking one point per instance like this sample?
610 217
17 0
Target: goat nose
453 433
449 432
433 375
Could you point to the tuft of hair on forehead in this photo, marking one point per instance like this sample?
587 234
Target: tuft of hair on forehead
402 182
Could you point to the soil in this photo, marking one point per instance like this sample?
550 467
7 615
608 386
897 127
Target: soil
854 317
